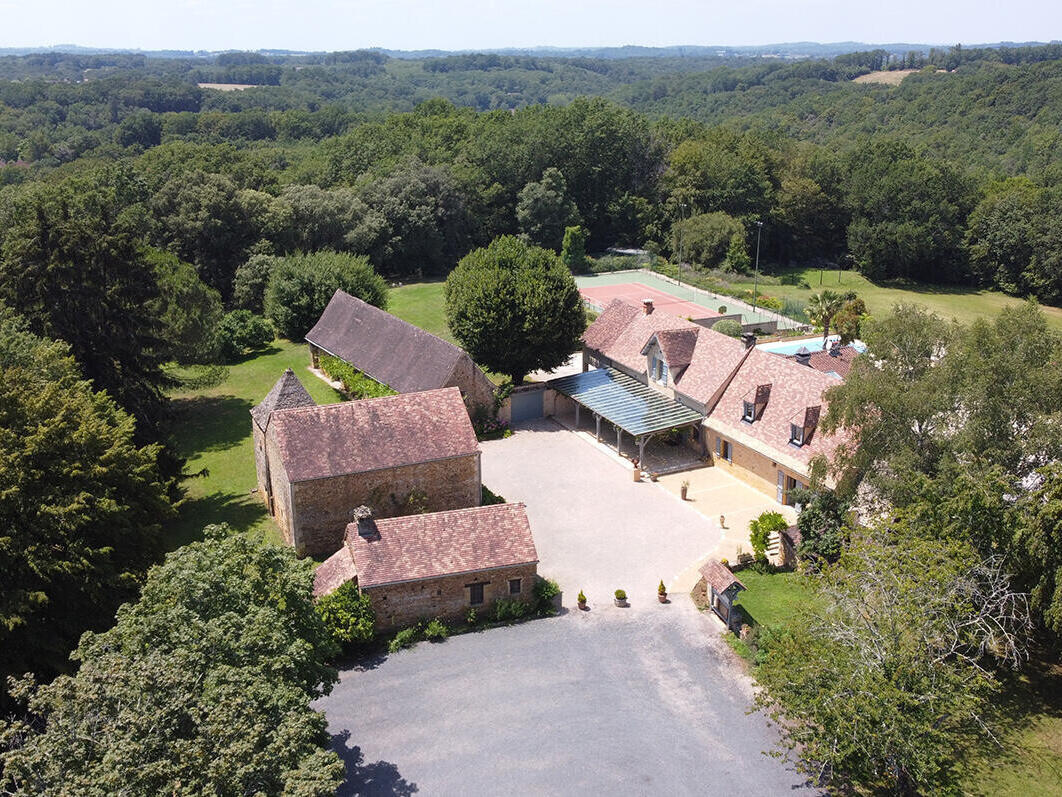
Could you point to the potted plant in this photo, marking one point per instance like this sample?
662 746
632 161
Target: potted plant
685 488
582 600
621 598
661 592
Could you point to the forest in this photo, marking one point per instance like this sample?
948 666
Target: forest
148 221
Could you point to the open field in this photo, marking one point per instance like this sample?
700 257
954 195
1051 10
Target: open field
421 304
214 433
890 77
773 600
949 301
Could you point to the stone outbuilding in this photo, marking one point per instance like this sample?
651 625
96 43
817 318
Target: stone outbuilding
395 353
721 588
287 393
441 565
399 455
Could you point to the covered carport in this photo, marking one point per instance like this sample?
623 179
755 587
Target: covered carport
626 403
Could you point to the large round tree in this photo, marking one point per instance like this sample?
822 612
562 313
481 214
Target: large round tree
515 308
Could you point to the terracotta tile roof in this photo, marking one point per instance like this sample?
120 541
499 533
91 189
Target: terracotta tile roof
677 346
715 357
608 326
357 436
794 389
288 392
418 547
622 332
334 572
635 331
839 363
393 352
719 576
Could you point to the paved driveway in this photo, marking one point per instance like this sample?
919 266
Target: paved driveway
588 703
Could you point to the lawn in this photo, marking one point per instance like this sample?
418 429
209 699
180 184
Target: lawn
949 301
773 600
421 304
214 433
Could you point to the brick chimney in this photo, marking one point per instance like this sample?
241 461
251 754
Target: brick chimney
647 306
364 517
749 339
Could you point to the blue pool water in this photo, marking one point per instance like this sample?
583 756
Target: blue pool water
785 347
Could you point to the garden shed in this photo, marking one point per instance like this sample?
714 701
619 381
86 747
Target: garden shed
721 589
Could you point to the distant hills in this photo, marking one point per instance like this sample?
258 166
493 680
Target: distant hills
790 50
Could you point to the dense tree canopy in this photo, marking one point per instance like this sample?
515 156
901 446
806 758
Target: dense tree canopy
81 505
203 686
515 308
300 287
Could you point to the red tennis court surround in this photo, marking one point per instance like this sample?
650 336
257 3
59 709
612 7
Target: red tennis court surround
634 292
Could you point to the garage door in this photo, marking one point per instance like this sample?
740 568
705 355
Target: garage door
527 405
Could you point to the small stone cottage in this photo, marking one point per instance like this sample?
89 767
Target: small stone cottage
435 565
721 588
394 352
399 455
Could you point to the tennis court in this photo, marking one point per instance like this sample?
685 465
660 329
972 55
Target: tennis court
635 292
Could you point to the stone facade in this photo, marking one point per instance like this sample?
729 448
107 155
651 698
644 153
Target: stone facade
752 467
476 389
448 598
313 515
261 466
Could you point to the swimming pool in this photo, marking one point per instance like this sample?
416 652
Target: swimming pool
786 347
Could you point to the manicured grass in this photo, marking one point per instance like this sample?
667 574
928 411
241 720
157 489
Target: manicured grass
773 600
214 433
962 304
421 304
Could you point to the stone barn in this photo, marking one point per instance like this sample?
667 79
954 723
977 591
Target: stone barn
287 393
398 455
721 588
394 352
438 565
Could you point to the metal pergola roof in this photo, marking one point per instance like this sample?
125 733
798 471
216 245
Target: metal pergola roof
625 402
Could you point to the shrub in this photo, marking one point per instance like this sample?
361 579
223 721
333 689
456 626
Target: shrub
545 590
506 609
348 614
621 595
406 638
760 531
241 331
661 590
436 630
490 498
249 284
355 384
771 303
582 597
729 327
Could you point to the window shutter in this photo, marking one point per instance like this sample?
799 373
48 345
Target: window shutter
718 446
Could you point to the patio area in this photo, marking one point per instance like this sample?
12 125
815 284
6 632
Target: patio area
660 457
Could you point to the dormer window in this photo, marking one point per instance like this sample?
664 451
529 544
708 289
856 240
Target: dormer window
748 411
661 371
796 435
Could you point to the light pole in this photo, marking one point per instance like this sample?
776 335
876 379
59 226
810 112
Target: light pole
756 281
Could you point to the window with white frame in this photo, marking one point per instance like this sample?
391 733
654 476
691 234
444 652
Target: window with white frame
796 434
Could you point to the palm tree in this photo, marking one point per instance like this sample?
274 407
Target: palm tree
821 309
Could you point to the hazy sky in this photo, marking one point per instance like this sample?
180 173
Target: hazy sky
464 24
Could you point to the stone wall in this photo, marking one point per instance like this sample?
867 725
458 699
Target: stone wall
401 605
261 465
750 466
473 383
280 489
323 506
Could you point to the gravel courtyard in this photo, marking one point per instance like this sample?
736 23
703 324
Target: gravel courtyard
595 528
